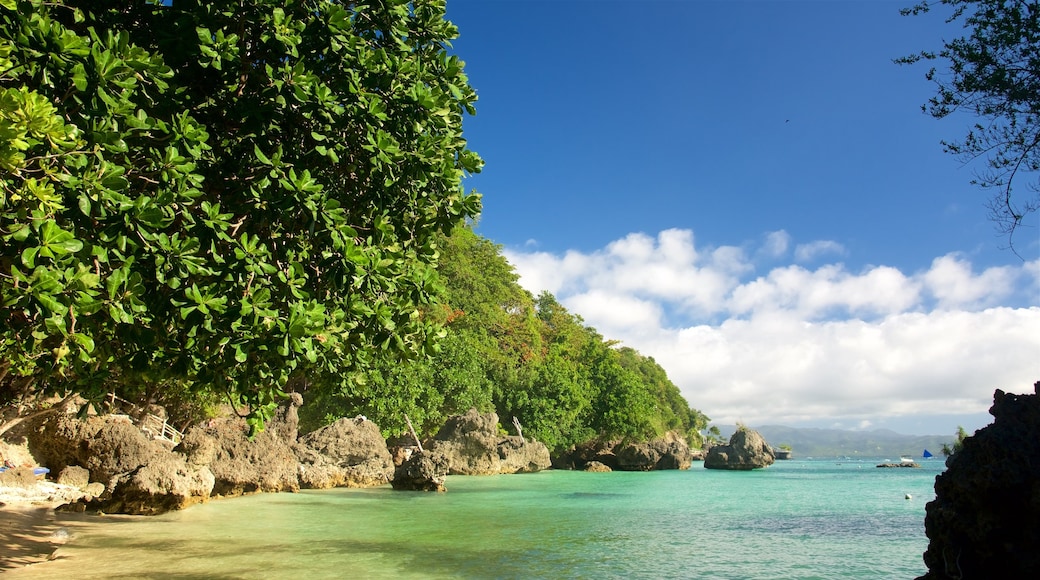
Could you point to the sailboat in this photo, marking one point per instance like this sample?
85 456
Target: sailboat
927 455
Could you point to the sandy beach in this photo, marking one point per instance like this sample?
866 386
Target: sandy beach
30 529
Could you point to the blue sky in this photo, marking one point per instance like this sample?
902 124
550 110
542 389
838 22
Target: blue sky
750 193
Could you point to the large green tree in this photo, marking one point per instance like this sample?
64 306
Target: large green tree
224 193
993 73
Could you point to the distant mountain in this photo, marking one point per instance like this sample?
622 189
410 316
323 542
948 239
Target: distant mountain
810 442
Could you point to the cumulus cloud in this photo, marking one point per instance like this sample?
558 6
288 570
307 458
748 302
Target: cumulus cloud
796 345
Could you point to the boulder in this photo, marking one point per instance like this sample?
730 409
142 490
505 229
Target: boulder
579 456
107 446
166 483
469 444
668 452
75 476
746 450
985 519
596 467
421 472
347 453
265 463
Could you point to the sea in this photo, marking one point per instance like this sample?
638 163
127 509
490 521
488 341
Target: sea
801 518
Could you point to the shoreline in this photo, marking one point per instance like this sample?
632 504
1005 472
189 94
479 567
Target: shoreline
29 534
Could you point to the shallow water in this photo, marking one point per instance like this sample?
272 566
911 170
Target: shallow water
796 519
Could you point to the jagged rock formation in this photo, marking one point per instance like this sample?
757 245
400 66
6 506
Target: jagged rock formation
239 464
579 456
347 453
470 445
107 446
746 450
596 467
985 519
668 452
421 472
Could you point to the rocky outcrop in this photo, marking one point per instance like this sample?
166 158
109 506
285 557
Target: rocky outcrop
746 450
421 472
596 467
239 464
470 445
107 446
580 456
983 522
166 483
347 453
668 452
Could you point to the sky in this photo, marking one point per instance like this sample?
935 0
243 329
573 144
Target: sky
750 193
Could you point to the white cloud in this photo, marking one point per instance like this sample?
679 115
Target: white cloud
795 344
776 244
813 250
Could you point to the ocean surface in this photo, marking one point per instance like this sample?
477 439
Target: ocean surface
803 518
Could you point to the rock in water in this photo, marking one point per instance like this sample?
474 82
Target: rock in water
985 519
346 453
470 445
421 472
746 450
668 452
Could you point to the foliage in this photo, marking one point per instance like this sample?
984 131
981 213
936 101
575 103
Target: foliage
519 356
994 73
948 450
224 194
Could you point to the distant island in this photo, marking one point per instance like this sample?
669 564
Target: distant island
813 442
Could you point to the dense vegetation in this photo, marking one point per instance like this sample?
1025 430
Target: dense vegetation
234 199
223 195
520 356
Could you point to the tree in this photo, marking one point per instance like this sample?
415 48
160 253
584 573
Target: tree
223 193
994 73
947 450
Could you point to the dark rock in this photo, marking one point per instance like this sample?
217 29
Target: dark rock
746 450
470 445
421 472
668 452
75 476
985 519
578 456
347 453
596 467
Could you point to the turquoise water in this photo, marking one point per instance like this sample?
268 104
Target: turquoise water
796 519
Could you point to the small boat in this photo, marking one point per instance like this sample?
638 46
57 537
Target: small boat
906 459
927 454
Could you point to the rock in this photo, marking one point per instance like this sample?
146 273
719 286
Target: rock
75 476
347 453
746 450
421 472
596 467
18 477
166 483
470 445
983 522
668 452
239 464
107 446
579 456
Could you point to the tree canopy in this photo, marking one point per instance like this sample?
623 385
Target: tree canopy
517 355
993 72
223 193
